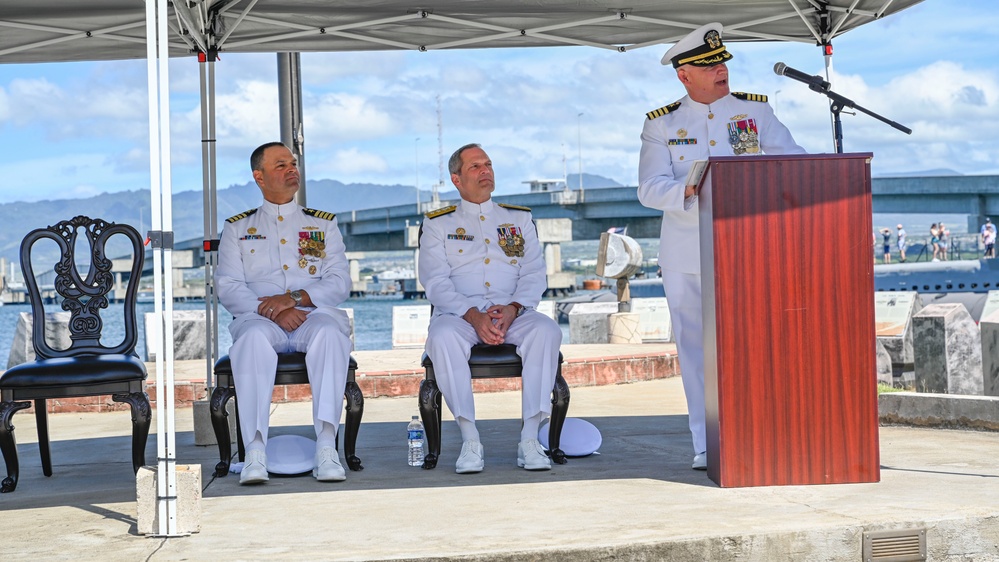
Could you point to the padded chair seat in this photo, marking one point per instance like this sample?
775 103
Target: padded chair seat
290 369
74 371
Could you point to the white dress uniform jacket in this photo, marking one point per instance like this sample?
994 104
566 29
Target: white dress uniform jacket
278 249
479 255
463 263
676 136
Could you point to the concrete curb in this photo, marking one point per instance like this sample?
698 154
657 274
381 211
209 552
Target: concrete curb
939 410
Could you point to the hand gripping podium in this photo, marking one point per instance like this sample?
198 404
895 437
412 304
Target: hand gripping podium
789 341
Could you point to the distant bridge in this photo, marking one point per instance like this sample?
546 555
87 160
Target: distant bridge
593 211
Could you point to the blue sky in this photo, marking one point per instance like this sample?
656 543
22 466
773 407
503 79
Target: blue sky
79 129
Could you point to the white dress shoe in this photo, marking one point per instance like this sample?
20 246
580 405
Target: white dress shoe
328 467
531 455
700 461
254 468
471 458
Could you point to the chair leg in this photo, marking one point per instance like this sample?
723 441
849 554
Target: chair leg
7 445
42 423
217 410
430 411
560 408
142 417
240 447
355 409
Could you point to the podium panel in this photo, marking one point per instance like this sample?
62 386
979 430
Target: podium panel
789 339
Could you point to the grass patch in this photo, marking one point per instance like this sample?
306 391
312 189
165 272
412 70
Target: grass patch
883 388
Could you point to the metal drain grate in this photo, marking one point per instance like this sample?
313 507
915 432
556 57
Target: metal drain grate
905 545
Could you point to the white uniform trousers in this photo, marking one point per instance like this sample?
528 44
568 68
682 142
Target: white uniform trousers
537 337
683 295
324 340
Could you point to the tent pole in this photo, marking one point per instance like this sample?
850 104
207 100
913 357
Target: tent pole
290 105
209 175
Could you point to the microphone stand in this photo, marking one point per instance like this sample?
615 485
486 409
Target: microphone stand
838 103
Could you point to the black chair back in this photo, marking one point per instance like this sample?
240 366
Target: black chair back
83 296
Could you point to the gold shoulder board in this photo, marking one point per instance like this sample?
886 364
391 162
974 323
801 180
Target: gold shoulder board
441 212
750 97
514 207
241 216
318 214
662 110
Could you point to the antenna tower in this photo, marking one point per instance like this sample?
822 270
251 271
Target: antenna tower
440 156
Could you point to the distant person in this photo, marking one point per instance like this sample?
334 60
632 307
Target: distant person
989 239
935 241
988 232
709 121
886 235
901 242
282 273
944 241
484 273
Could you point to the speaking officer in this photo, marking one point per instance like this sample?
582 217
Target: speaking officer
483 271
282 273
708 121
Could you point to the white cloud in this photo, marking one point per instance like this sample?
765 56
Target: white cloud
351 161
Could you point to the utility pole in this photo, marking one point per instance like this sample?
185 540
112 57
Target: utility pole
416 152
579 146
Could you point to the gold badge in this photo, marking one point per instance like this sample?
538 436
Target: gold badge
712 39
302 263
312 270
682 133
737 117
251 230
460 231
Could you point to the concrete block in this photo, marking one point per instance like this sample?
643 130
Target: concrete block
893 312
654 320
884 365
188 493
56 334
204 434
188 335
409 326
989 327
589 322
947 350
939 410
623 327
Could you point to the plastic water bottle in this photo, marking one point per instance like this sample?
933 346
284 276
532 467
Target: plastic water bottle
415 431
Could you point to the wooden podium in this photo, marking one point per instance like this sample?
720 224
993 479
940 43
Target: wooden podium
789 342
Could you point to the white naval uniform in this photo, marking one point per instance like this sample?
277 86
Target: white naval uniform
673 138
266 252
463 265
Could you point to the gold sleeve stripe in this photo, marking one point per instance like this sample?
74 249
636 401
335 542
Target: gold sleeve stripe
750 97
441 212
515 207
319 214
662 110
241 216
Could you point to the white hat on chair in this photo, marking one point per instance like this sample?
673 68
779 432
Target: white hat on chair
579 437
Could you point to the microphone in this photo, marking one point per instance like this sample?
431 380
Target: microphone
814 82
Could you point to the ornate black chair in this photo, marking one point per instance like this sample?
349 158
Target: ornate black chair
486 362
291 369
88 367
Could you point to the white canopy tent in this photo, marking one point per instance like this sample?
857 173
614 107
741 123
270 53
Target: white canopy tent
34 31
77 30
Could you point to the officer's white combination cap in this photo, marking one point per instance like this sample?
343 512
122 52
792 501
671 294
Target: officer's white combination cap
701 47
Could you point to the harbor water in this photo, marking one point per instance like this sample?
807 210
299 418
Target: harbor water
372 323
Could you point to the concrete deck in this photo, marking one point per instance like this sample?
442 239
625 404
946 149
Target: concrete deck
636 500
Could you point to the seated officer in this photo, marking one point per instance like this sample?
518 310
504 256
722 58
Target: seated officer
282 273
483 271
